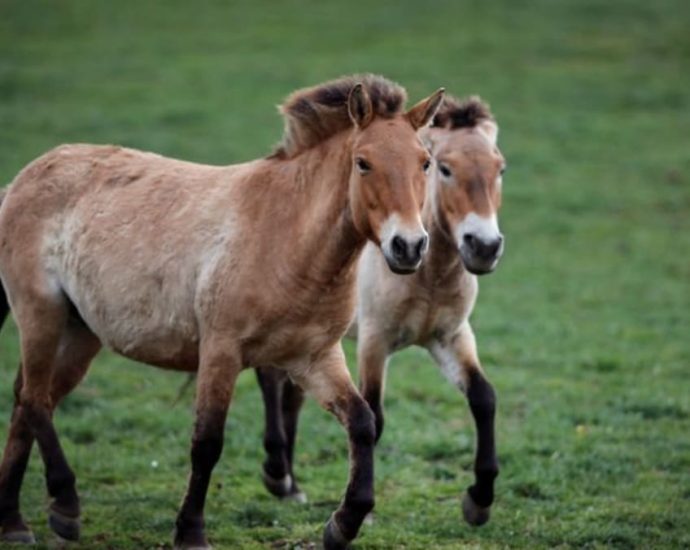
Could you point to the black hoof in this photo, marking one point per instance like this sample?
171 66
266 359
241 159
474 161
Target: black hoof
63 526
18 537
15 531
473 513
284 488
190 541
333 538
185 546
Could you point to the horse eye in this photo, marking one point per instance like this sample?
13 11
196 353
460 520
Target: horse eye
427 165
445 171
362 165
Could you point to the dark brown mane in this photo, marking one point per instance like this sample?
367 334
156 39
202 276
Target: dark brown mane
315 114
461 113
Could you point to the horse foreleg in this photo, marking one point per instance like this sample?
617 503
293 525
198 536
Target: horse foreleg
218 371
459 363
329 381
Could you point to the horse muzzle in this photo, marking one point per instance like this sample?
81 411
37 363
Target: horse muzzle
481 256
404 255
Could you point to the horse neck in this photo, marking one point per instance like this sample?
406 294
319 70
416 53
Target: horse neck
329 241
443 259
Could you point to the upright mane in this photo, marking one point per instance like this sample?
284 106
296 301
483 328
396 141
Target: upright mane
461 113
312 115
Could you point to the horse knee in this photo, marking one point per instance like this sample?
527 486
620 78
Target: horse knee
206 452
362 425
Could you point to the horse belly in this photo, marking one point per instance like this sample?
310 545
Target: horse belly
140 310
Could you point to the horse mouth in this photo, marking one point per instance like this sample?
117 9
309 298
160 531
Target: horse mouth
399 270
476 265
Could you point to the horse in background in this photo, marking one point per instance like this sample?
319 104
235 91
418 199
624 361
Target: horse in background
430 309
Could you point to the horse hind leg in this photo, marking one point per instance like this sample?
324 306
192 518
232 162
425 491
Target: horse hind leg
293 398
15 458
281 406
72 363
54 360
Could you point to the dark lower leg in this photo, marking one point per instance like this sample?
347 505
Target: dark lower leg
293 398
20 438
372 356
14 461
4 306
373 397
207 446
482 400
60 479
359 496
276 464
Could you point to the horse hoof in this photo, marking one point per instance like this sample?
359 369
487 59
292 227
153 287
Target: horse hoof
284 488
369 519
63 526
300 497
18 537
195 541
333 538
473 513
277 487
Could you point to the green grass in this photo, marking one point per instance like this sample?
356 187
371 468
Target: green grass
584 329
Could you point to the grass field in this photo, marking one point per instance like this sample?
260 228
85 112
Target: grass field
584 329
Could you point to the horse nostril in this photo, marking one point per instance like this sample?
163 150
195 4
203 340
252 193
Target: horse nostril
421 246
470 241
491 248
399 247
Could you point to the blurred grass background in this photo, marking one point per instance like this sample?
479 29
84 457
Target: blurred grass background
584 329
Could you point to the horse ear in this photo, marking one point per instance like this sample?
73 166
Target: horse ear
422 113
490 129
359 106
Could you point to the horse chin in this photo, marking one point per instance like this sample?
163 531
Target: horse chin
477 266
401 269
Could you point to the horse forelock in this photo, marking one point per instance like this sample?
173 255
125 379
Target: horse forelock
457 113
312 115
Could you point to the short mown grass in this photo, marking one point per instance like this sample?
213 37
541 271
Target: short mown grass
584 329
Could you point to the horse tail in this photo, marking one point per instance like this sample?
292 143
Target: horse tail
4 304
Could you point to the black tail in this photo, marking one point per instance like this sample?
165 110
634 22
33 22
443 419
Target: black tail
4 304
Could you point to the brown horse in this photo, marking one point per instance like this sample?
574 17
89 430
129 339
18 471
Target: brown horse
430 308
206 269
